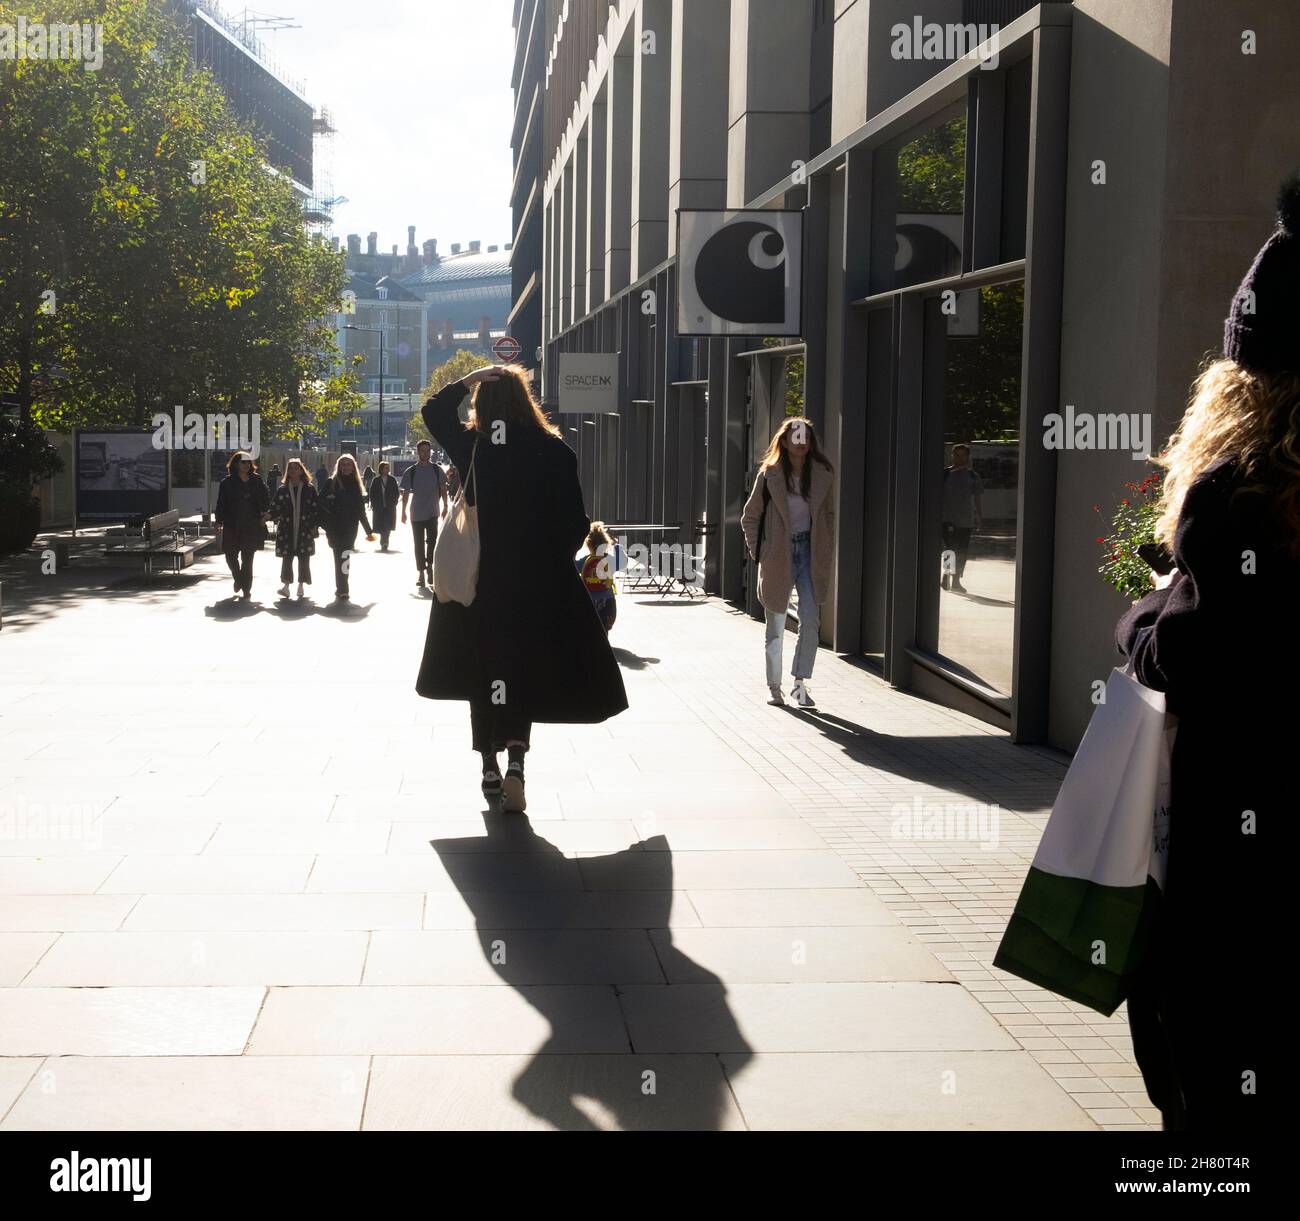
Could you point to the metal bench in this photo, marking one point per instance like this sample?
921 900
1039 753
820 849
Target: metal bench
161 537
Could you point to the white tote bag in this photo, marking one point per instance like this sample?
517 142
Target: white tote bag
456 553
1080 924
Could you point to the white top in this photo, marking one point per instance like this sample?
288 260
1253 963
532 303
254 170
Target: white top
800 514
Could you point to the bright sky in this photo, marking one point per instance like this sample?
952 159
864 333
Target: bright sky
420 93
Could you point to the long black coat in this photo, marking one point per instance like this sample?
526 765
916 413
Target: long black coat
308 521
384 494
532 625
1220 642
242 529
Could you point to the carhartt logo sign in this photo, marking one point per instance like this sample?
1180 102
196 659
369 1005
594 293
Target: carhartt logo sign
588 381
127 1174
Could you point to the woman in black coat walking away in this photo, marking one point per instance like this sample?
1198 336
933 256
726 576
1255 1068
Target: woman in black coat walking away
295 511
383 504
530 647
241 512
1218 637
344 510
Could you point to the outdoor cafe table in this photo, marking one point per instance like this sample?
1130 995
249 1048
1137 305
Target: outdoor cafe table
646 578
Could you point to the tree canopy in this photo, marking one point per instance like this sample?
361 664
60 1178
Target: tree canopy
149 257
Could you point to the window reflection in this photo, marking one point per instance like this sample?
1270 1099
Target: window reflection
977 517
930 193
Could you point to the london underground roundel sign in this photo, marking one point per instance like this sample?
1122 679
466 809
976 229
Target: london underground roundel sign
506 348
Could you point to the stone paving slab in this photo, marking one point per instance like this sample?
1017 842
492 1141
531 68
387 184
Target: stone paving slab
213 915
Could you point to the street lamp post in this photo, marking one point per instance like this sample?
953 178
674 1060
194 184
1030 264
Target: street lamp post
376 330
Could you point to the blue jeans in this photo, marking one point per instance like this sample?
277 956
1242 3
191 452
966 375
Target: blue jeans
805 652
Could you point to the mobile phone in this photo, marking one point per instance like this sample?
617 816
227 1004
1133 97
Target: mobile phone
1157 558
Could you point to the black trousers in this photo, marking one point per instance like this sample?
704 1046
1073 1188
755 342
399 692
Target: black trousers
425 534
492 725
957 540
241 566
304 569
342 553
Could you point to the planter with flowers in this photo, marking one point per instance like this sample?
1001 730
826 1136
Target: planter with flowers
1132 525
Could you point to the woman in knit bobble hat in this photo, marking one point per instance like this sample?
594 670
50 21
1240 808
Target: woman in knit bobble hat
1218 637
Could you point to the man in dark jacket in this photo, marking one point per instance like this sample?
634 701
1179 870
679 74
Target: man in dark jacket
383 504
242 506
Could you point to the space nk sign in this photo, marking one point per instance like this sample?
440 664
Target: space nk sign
739 272
588 381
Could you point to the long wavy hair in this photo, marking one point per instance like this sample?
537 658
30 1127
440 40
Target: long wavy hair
355 477
778 455
1254 417
509 398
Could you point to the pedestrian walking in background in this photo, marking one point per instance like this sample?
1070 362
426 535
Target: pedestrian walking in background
367 478
426 488
242 508
1218 638
597 571
961 514
344 501
273 479
529 648
321 477
296 514
383 493
789 527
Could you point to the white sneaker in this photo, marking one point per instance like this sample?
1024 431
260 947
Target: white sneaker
302 591
283 591
801 695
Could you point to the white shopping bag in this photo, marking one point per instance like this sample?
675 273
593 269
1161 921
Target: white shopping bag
1102 826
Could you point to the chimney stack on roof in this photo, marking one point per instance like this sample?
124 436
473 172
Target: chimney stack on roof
455 247
430 252
492 250
411 249
510 245
354 243
372 243
474 247
334 243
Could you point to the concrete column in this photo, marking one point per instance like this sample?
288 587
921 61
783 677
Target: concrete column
597 203
697 124
652 87
578 264
771 46
564 261
868 79
618 171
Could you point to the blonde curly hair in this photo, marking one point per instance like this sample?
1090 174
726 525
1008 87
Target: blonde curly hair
1235 411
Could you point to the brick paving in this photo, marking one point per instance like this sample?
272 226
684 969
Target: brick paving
246 880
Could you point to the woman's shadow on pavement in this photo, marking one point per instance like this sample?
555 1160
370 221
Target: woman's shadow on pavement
525 868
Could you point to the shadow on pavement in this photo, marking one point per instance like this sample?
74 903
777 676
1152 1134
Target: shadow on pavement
1032 775
509 878
634 661
33 597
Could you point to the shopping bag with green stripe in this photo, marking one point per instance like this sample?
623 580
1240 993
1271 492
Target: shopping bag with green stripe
1086 910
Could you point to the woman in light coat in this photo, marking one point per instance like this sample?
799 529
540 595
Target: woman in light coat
789 525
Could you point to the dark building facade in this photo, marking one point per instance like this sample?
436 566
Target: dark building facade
259 93
1053 222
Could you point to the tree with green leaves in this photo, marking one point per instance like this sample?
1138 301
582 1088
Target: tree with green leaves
449 371
149 257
